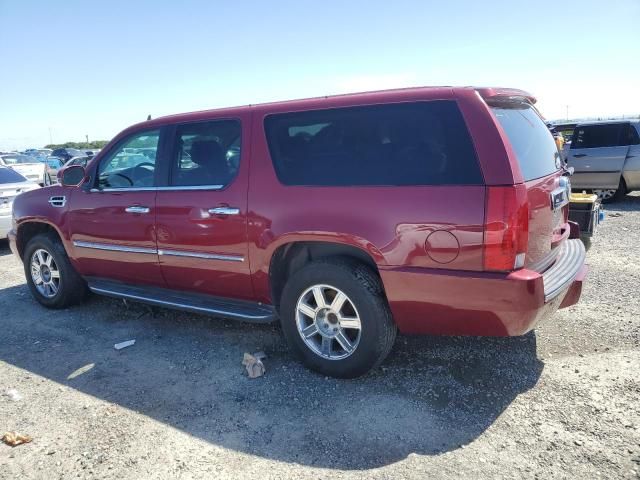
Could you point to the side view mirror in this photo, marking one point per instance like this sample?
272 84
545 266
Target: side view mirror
71 176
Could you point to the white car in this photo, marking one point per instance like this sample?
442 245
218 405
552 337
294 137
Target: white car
27 166
11 185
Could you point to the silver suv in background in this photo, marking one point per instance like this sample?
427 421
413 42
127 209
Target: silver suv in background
606 158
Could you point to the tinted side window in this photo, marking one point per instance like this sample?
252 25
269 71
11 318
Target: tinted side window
206 153
423 143
595 136
132 163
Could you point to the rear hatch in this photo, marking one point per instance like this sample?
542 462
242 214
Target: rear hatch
545 190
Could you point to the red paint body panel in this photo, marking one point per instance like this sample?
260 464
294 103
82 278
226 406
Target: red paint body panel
433 284
441 302
100 217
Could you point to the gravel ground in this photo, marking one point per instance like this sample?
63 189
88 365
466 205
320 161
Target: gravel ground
558 403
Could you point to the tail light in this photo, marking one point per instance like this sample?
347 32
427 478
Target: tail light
506 228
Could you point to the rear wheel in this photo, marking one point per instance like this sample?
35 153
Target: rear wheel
335 317
612 195
51 278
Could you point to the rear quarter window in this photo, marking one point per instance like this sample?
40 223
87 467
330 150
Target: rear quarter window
422 143
531 140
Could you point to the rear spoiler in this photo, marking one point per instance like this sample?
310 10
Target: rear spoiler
505 94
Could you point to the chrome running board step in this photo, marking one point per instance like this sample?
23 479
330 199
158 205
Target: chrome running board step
190 302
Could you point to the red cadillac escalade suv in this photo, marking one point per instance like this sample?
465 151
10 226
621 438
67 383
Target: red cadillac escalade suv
429 211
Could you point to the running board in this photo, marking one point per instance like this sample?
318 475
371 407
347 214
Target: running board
190 302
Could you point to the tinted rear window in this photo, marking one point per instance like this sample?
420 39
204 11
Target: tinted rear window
423 143
530 138
9 176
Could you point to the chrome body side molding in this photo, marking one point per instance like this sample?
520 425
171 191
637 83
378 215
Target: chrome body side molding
152 251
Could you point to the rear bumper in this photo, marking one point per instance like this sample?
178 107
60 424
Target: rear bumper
446 302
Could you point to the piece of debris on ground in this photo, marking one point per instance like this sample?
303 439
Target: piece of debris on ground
253 364
121 345
14 439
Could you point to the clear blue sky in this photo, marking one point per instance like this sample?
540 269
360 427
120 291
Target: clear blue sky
95 67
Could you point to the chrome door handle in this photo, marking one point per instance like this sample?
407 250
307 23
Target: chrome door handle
224 211
136 209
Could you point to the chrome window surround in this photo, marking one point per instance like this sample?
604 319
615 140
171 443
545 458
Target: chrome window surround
153 251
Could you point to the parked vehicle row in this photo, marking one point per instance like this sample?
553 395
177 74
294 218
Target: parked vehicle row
29 167
12 184
429 210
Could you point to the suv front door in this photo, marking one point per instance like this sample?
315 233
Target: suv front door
112 223
202 210
597 154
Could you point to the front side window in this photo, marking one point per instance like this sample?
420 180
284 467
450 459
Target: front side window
422 143
206 154
131 164
596 136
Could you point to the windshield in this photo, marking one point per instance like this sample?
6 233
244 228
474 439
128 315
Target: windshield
535 149
10 176
15 159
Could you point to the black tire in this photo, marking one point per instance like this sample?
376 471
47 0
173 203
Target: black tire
364 290
72 289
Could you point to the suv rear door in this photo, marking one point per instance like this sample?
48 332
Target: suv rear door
597 154
202 209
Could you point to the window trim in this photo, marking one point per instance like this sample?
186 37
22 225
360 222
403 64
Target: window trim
171 148
108 156
265 118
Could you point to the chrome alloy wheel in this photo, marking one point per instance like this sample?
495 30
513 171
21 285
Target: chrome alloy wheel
45 273
605 194
328 322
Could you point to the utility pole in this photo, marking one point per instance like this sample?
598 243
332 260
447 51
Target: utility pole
87 138
567 112
50 136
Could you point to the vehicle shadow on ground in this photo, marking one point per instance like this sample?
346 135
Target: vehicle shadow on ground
432 395
4 248
630 203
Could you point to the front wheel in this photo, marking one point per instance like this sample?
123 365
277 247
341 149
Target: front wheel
51 278
335 317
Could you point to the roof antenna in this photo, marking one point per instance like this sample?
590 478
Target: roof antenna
148 117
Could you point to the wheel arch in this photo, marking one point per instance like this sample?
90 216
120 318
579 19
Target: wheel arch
29 229
291 256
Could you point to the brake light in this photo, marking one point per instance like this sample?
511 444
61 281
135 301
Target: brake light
506 228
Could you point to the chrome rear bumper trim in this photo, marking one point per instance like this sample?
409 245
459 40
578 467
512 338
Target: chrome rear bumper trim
568 264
